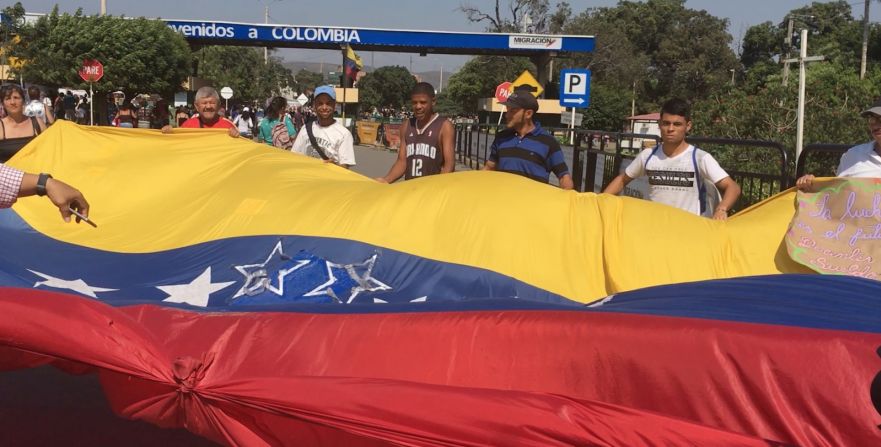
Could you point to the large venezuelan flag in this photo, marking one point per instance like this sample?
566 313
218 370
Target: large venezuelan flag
257 297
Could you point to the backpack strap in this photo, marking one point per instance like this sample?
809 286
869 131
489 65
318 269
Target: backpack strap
654 151
315 143
701 189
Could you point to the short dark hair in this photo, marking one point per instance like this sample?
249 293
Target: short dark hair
34 92
423 88
677 106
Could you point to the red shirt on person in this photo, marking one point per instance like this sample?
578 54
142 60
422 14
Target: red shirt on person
195 123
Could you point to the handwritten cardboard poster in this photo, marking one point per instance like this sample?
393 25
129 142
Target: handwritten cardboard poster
837 228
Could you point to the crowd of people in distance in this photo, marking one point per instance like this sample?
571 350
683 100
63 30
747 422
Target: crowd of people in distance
678 173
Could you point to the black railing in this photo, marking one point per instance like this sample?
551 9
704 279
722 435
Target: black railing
473 142
820 159
590 148
761 168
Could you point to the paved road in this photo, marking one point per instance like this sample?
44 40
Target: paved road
375 162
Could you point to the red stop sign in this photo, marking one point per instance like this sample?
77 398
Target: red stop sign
503 91
92 70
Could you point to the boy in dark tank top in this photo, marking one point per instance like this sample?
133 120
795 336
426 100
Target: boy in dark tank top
426 140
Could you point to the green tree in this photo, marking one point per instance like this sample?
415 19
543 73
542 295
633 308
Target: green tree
13 20
647 52
243 69
608 108
139 55
447 106
308 80
689 51
387 86
761 44
10 27
480 76
835 96
832 32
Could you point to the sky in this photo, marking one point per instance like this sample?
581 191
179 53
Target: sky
435 15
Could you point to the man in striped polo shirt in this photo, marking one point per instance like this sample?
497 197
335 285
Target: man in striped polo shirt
524 148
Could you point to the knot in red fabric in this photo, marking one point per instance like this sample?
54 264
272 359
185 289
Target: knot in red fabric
188 371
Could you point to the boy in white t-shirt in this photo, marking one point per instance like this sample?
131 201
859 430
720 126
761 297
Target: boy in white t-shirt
334 140
677 171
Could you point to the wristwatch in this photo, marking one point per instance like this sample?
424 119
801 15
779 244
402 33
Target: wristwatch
41 183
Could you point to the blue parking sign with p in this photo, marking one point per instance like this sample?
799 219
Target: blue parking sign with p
575 88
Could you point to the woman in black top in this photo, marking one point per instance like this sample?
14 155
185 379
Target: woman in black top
16 129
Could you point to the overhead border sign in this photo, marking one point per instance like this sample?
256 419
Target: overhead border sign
575 88
329 37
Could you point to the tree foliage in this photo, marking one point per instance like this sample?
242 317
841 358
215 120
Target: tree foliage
661 46
307 80
834 99
387 86
139 55
243 69
761 44
480 76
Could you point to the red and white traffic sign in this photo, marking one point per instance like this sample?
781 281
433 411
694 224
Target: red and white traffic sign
503 91
92 70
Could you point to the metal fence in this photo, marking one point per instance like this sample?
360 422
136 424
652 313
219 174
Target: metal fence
820 159
473 142
761 168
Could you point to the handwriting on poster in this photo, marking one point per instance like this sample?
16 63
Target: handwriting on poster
837 229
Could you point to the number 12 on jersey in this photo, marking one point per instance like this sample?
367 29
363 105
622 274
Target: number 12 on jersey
416 168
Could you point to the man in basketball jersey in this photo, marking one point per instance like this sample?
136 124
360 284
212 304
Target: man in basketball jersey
677 171
426 140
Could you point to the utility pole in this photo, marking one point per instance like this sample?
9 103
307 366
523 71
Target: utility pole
440 87
104 7
802 60
633 100
865 40
788 42
266 20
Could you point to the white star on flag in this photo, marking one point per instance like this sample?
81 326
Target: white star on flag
77 285
196 292
366 282
257 277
